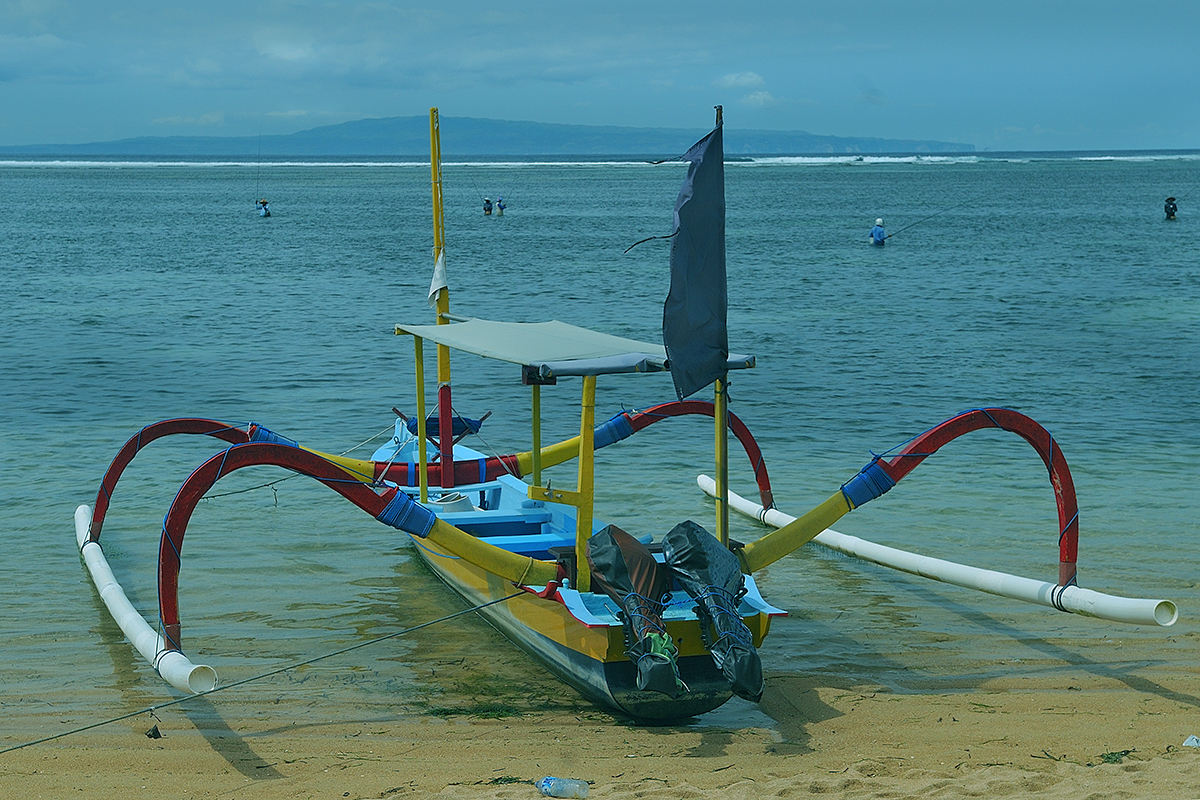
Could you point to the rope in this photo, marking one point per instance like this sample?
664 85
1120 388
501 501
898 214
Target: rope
154 708
270 484
528 565
650 238
487 446
381 480
436 554
891 450
367 440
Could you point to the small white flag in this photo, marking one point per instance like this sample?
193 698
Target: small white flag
439 278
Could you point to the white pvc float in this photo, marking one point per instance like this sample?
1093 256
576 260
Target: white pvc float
172 665
1071 598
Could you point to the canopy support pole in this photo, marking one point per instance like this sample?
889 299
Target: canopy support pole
586 483
537 434
423 456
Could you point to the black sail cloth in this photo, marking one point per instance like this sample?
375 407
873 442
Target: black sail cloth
626 571
711 575
694 314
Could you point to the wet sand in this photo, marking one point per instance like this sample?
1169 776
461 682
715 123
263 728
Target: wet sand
1092 738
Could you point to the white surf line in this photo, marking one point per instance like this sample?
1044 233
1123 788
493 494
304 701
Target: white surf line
1071 598
172 665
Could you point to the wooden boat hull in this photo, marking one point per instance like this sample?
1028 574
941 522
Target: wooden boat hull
590 658
579 638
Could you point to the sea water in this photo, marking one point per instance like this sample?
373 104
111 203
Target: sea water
135 291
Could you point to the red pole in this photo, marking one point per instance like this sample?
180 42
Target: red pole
446 435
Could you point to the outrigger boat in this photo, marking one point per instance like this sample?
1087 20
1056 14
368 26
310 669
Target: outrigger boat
588 600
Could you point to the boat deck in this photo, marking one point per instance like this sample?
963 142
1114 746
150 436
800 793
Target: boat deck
678 607
599 610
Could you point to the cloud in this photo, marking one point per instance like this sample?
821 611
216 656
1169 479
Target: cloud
761 99
41 57
103 70
284 50
747 80
739 80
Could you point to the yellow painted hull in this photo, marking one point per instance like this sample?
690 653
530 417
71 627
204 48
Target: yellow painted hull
590 654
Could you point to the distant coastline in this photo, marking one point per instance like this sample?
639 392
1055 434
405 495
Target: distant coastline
470 136
152 160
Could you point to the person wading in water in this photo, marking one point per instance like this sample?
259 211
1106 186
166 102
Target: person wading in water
878 236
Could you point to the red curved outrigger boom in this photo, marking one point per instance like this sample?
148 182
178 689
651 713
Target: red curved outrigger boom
1042 441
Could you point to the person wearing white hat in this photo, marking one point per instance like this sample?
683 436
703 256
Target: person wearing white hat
878 236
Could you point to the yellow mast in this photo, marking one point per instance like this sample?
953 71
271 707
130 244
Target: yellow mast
439 239
721 451
721 416
442 302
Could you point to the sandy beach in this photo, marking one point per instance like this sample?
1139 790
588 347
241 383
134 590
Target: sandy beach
1095 738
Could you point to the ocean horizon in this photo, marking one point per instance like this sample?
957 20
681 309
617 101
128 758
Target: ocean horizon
450 159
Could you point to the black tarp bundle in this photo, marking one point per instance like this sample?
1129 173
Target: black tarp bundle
626 571
711 575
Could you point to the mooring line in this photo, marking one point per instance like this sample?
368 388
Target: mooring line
151 709
271 484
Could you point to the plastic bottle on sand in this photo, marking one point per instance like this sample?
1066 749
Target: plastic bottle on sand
562 787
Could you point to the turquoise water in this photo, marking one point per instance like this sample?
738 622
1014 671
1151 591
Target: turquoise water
134 292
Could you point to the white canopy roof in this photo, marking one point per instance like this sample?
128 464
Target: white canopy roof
554 348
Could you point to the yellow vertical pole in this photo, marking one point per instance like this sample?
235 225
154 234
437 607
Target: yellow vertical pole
537 434
721 420
439 237
721 416
422 456
586 482
442 303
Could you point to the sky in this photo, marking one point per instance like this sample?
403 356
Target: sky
1002 76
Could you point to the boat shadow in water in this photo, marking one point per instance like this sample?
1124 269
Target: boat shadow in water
789 704
1073 658
226 742
208 721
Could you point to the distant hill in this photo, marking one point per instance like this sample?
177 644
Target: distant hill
469 136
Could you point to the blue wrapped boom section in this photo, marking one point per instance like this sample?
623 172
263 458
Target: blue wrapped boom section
614 430
407 515
458 425
868 484
260 434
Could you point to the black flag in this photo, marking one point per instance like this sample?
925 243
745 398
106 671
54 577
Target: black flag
694 331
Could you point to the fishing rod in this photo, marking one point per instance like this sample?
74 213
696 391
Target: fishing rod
475 186
918 222
1191 190
258 172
